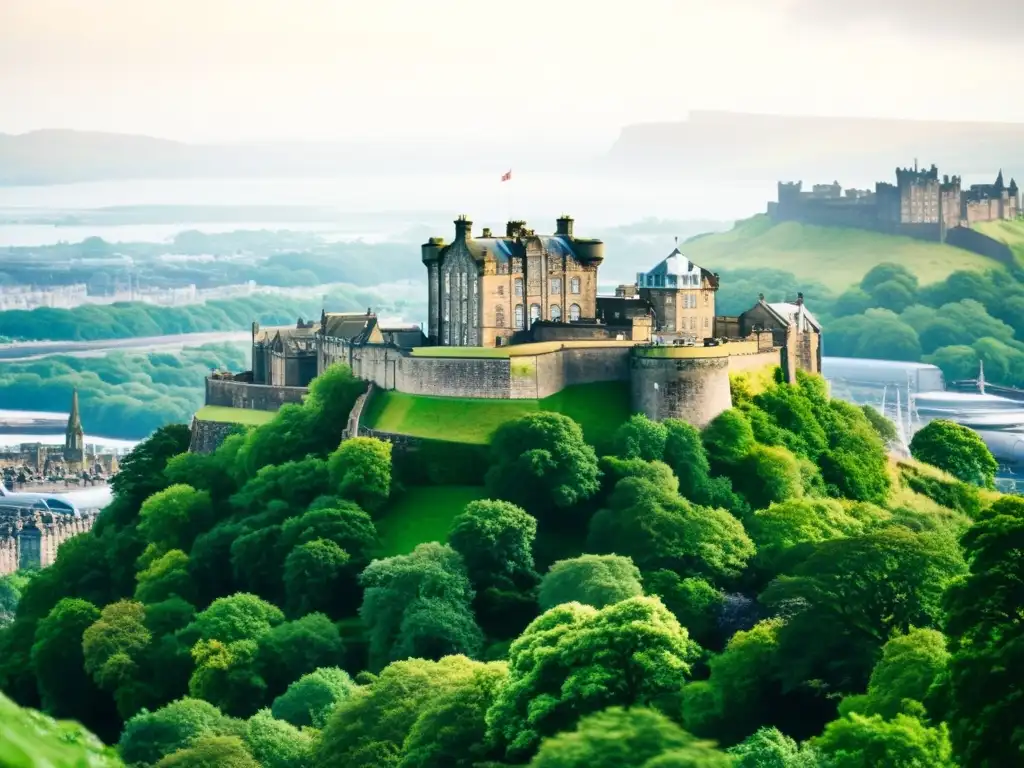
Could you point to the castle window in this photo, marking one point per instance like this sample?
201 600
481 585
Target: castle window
574 285
705 322
556 286
519 317
501 290
447 282
707 296
519 286
534 313
693 323
574 313
556 313
499 316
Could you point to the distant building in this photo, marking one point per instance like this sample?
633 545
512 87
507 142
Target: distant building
284 356
74 437
683 296
484 289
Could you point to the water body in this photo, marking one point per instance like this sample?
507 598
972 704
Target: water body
36 349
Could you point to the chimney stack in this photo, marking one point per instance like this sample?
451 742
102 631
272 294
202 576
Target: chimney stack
563 225
486 232
463 228
799 299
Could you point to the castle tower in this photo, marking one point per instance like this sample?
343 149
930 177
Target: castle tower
74 436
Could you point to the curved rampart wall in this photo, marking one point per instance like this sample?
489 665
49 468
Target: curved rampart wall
688 387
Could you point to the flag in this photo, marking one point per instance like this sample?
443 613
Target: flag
507 176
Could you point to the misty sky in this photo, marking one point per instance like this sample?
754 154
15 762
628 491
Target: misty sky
213 70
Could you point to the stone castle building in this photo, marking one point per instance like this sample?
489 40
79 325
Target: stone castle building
920 204
528 305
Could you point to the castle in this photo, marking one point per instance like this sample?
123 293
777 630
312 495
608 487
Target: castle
519 317
919 205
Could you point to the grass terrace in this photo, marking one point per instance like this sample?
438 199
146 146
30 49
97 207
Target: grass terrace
1009 232
245 416
421 514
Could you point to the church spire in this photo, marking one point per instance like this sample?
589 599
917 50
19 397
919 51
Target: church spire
999 180
74 420
74 436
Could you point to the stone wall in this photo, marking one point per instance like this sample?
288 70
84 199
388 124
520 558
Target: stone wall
673 383
208 435
260 397
31 539
973 241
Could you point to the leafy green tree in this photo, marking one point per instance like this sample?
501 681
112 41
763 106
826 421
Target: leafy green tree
211 752
982 622
227 675
58 663
370 727
149 736
575 660
335 520
693 601
314 573
883 426
540 461
889 272
11 587
852 595
640 438
211 472
627 738
277 744
451 729
685 454
114 652
238 617
770 748
310 699
657 528
166 577
209 562
360 471
141 474
955 449
298 647
903 742
596 580
172 518
727 438
296 483
33 740
495 540
418 605
905 676
769 474
257 562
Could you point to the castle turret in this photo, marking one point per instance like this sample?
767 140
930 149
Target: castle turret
463 228
999 181
564 225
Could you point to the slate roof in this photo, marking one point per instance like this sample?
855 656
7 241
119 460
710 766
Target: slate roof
403 336
504 248
679 265
347 325
788 313
288 338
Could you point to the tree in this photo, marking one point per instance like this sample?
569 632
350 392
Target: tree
333 519
114 649
165 577
298 647
889 272
640 438
574 660
982 622
227 675
596 580
149 736
32 739
277 744
769 474
239 617
727 438
495 540
295 483
369 728
693 601
11 587
685 454
540 461
58 664
627 738
883 426
770 748
314 573
211 752
172 518
140 474
659 529
360 471
418 605
955 449
310 699
852 594
903 742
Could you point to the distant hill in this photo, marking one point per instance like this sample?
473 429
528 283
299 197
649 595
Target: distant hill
724 145
838 258
63 156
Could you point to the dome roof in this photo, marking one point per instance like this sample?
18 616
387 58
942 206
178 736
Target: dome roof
675 264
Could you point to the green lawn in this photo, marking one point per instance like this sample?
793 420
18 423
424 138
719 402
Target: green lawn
835 257
1009 232
245 416
422 513
599 408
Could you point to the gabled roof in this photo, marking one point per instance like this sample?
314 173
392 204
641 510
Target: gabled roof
787 313
346 325
678 264
403 336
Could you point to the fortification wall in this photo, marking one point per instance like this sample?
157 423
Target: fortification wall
207 436
676 383
571 366
756 361
971 240
31 539
259 397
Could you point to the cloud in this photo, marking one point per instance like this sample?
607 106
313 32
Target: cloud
957 20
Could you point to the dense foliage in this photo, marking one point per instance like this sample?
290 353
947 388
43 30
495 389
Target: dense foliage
771 590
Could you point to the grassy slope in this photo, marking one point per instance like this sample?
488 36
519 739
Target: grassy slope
599 409
246 416
420 514
1009 232
836 257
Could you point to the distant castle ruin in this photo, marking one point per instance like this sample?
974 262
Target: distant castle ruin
919 205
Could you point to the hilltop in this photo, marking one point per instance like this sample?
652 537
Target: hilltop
836 257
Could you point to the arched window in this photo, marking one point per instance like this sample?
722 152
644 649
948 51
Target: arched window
519 317
519 286
574 285
556 313
534 313
499 316
574 313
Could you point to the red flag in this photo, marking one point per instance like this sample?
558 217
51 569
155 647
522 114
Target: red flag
506 176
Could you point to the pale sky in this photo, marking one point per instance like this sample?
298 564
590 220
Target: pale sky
225 70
